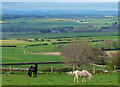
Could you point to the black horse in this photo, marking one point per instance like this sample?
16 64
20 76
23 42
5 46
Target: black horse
32 69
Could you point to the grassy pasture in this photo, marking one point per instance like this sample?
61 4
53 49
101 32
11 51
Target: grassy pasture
93 38
13 42
54 22
40 23
101 22
59 79
46 48
60 35
16 55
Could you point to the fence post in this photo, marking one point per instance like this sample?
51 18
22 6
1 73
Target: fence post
114 68
51 69
94 69
36 69
73 68
10 69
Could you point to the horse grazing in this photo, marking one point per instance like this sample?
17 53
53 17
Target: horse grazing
83 74
32 69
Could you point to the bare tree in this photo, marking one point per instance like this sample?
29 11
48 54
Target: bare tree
82 53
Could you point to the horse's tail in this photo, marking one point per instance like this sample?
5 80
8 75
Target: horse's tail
29 72
70 73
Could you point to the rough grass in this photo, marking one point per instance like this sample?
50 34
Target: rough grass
59 79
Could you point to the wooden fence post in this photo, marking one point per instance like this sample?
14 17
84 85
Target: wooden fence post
114 68
10 69
51 69
94 69
36 69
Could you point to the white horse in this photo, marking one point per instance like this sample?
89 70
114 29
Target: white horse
83 74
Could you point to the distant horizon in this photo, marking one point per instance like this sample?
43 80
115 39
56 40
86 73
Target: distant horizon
58 7
60 0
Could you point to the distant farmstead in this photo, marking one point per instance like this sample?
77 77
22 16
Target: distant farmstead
82 21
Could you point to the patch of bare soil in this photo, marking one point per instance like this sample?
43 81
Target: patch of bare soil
110 52
49 53
58 53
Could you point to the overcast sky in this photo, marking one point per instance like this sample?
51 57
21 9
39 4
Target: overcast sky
60 0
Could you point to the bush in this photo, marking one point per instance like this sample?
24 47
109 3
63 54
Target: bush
59 40
35 39
42 40
48 40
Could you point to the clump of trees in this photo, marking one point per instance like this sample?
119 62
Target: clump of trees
42 40
108 44
36 39
59 40
113 27
113 61
82 53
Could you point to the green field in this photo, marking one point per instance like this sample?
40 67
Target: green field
24 36
93 38
55 22
101 22
40 23
21 43
14 42
16 55
59 79
12 54
46 48
60 35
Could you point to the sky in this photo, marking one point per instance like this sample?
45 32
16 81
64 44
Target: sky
65 7
60 0
60 6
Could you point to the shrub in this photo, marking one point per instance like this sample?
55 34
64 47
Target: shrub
35 39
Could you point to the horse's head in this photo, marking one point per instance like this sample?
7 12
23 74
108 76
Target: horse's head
31 68
89 76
